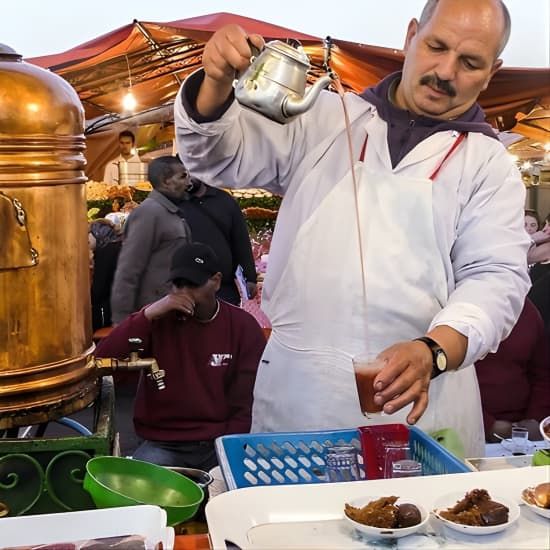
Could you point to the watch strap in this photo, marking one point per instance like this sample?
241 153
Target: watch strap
436 349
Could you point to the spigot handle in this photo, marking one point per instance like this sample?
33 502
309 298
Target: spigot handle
135 344
158 378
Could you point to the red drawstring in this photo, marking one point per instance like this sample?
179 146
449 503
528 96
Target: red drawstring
456 143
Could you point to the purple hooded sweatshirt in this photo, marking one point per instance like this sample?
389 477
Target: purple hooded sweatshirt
406 130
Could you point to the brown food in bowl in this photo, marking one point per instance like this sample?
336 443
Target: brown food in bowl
477 509
408 515
541 495
385 514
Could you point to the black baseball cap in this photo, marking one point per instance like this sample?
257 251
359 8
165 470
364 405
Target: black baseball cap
195 263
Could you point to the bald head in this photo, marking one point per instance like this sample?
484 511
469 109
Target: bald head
451 56
497 6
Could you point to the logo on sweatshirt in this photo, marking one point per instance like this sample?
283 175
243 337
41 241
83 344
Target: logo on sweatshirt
220 359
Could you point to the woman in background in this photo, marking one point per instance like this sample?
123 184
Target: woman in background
532 221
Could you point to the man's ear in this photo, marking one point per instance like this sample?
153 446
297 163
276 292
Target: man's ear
217 280
412 31
496 66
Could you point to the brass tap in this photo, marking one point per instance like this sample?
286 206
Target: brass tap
109 365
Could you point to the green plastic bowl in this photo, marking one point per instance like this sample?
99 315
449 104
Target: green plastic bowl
115 481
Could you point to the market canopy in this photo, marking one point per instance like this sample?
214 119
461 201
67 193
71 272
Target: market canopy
158 56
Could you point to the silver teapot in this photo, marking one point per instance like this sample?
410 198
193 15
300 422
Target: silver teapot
275 82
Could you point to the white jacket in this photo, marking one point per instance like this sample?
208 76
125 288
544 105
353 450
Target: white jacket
111 174
478 198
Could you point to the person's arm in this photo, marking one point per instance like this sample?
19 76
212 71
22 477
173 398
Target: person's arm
539 253
240 387
488 259
407 374
179 300
490 269
542 236
225 55
138 245
245 149
116 343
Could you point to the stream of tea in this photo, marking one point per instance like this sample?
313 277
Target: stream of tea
341 92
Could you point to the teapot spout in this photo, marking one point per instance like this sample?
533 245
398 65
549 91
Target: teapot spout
292 106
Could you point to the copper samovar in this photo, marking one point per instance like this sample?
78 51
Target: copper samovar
45 326
46 365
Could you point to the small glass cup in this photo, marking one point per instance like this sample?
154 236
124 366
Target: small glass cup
366 368
406 468
520 436
398 461
341 463
394 452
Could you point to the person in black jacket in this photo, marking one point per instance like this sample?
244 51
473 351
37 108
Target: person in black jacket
108 242
215 218
540 296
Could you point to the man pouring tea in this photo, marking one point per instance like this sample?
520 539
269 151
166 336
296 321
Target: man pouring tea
421 262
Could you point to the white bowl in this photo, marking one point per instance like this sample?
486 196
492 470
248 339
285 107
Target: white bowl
544 422
380 533
529 502
448 501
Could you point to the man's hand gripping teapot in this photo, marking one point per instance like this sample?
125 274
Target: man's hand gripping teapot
275 82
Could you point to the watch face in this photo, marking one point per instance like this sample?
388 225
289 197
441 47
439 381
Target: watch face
441 361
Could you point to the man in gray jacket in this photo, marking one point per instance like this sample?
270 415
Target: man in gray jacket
152 233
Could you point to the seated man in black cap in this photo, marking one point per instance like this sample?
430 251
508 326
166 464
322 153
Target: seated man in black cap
209 350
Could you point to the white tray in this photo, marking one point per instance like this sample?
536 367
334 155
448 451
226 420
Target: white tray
311 516
147 521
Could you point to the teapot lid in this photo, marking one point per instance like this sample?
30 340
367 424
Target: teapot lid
9 53
297 54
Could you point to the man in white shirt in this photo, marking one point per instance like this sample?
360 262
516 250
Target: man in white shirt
420 258
126 142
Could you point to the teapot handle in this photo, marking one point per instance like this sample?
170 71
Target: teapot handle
295 43
255 52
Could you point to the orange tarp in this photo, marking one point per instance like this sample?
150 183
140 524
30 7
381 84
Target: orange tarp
160 55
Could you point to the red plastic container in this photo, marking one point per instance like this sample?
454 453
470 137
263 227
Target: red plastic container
374 440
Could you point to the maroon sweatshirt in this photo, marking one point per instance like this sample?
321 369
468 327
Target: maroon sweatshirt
515 381
210 373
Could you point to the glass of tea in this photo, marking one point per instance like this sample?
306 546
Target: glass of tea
366 368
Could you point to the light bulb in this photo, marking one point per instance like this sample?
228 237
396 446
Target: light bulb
129 101
526 166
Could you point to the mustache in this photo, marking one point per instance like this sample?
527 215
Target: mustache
435 82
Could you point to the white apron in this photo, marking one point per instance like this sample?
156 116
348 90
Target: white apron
317 310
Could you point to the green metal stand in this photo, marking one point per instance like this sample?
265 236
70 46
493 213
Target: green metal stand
44 475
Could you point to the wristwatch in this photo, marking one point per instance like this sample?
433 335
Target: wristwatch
439 357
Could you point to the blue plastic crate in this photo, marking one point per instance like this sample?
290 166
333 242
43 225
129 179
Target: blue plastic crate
249 460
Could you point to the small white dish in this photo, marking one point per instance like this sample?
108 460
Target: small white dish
529 501
448 501
545 423
380 533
